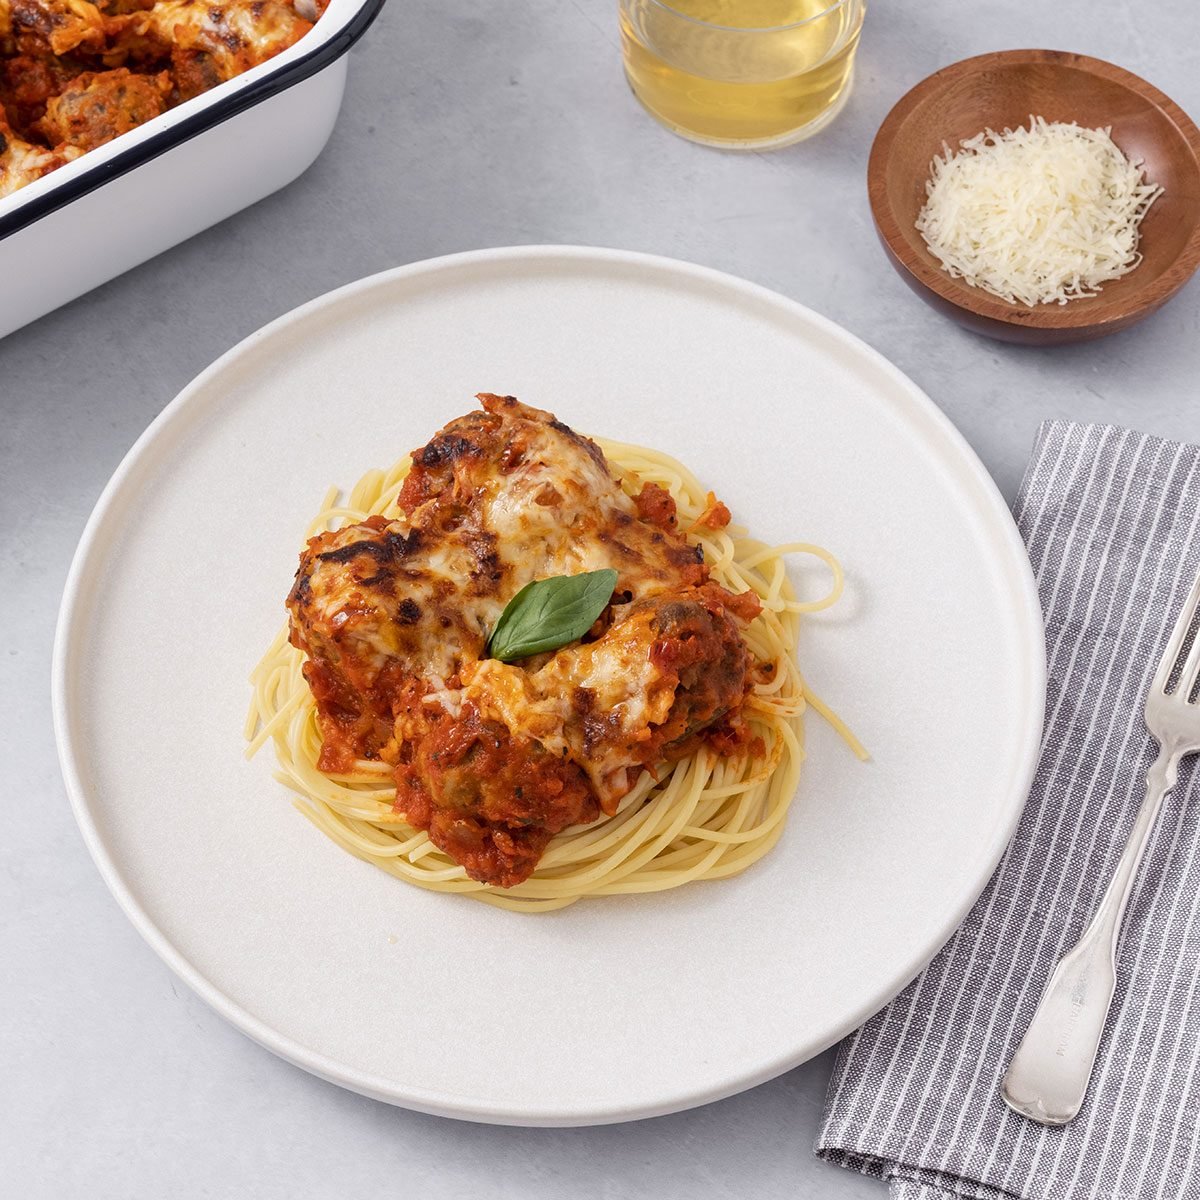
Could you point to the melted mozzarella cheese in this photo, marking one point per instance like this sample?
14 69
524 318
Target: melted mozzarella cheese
525 501
625 694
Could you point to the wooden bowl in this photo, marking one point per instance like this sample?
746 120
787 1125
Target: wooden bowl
1002 90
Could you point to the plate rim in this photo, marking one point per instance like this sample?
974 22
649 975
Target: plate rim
68 633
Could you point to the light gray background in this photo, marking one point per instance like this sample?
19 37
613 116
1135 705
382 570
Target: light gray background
467 123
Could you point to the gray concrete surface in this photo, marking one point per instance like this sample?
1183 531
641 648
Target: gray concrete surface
467 123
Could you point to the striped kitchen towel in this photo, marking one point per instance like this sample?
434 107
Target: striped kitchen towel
1111 519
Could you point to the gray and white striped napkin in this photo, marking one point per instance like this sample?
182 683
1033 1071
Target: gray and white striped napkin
1111 519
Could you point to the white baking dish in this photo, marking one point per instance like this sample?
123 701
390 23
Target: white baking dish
125 202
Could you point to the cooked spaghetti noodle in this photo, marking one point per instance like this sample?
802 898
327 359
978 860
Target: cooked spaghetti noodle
705 816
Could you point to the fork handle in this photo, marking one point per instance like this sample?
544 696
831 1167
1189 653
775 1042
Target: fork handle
1048 1076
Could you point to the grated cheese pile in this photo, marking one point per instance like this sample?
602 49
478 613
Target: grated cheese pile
1038 215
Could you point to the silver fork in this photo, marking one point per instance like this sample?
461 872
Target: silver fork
1048 1076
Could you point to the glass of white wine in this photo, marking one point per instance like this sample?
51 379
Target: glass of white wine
741 73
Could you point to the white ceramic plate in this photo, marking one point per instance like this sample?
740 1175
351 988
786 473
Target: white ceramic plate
611 1009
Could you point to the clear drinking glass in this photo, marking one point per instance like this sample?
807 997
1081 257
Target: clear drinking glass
741 73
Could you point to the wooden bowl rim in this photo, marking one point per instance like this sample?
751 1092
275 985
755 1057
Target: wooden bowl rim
1121 309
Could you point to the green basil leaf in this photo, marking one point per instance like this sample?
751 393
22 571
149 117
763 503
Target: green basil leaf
548 613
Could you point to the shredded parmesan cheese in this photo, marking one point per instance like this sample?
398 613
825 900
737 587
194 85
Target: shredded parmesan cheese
1038 215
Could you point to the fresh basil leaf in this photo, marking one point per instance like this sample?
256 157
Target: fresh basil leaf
548 613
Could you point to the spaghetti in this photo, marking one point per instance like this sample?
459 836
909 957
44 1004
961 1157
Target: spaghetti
705 816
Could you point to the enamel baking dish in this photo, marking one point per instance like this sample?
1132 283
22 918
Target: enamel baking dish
189 168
